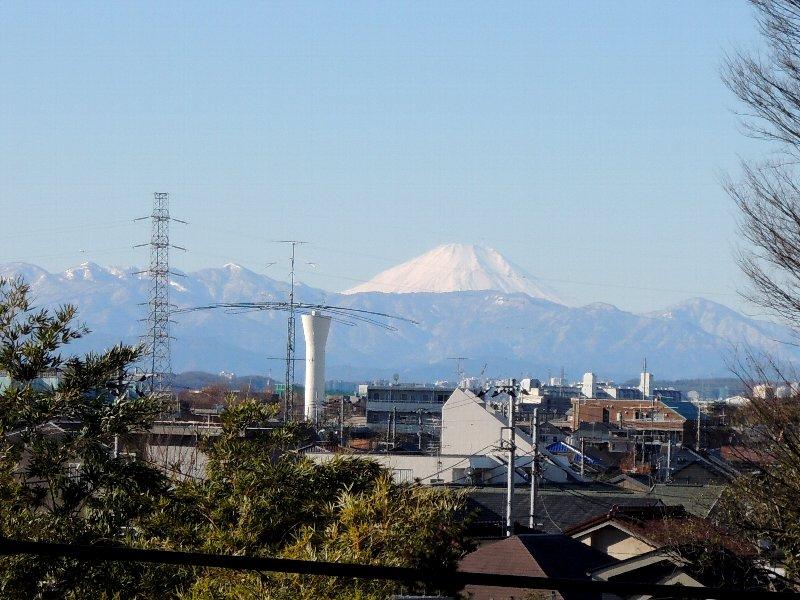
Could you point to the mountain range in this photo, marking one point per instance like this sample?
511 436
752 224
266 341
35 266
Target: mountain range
466 301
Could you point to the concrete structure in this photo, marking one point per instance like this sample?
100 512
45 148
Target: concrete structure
646 383
589 387
403 405
315 331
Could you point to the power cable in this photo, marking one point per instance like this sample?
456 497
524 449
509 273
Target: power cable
445 578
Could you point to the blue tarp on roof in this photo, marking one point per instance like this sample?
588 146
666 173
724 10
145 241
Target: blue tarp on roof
562 448
559 448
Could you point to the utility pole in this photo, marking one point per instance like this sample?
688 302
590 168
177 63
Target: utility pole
669 458
341 422
534 468
583 456
394 426
419 430
512 449
510 389
388 429
699 418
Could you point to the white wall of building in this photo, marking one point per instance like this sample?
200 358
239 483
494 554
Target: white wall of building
450 469
469 426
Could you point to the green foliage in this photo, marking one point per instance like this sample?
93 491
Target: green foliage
58 484
260 495
258 499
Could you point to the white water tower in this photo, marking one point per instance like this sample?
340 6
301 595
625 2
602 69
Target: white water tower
589 385
315 330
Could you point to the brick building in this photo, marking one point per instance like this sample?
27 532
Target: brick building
651 418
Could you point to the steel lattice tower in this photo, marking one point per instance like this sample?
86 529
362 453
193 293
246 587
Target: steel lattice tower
288 398
157 338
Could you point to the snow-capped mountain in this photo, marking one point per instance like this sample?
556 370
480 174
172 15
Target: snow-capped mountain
457 268
514 333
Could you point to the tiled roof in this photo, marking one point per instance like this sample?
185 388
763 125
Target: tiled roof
556 510
698 500
534 555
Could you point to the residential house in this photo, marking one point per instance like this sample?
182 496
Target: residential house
536 556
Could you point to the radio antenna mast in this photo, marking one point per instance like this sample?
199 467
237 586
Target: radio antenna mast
288 394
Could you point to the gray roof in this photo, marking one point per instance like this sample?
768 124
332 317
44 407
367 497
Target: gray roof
556 509
698 500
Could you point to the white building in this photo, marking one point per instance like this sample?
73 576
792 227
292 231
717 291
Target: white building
402 406
471 450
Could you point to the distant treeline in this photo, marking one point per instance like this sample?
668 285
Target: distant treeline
195 380
709 388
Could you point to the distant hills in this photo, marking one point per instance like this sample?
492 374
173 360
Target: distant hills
487 310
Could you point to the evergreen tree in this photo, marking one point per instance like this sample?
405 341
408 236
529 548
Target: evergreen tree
60 479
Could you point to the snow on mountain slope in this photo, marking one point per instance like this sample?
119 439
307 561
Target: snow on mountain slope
513 333
723 322
456 268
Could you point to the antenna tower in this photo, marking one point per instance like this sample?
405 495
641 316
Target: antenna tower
459 370
288 394
157 337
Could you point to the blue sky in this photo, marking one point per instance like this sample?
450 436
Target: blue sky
585 141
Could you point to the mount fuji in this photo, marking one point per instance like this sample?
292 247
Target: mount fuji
457 268
466 301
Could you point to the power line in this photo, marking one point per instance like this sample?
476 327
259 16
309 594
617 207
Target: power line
341 314
447 578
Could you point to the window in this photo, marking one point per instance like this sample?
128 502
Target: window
460 476
403 475
377 416
403 397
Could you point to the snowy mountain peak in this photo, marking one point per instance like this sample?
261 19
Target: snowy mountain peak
457 268
87 271
27 271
